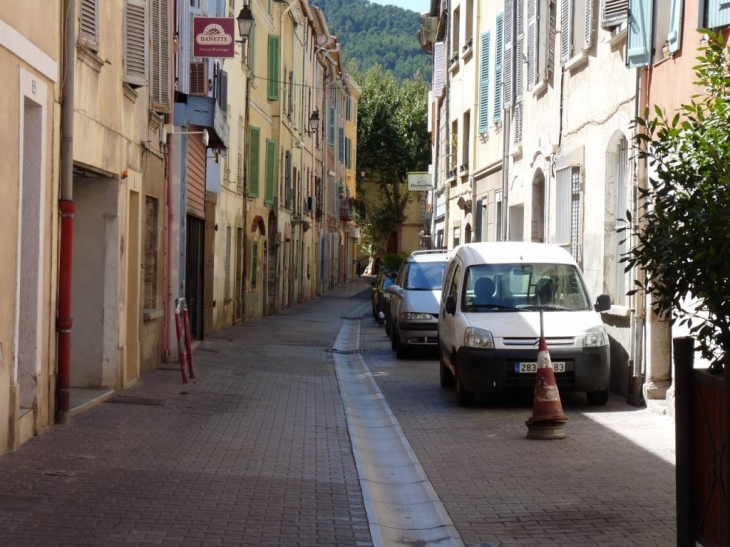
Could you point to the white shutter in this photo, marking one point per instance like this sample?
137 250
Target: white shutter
532 50
588 29
160 56
508 53
438 69
614 12
674 38
518 123
565 30
519 52
135 42
89 24
184 54
544 41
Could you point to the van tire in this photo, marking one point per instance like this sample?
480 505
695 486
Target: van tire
597 398
464 397
446 378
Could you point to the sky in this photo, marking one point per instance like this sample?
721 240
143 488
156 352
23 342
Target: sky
421 6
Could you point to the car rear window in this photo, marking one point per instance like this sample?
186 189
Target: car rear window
426 276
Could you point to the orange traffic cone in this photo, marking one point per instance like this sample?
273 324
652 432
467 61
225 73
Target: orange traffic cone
548 420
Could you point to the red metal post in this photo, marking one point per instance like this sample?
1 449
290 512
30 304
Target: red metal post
188 343
180 344
64 321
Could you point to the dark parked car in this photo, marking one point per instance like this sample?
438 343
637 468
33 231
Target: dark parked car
380 297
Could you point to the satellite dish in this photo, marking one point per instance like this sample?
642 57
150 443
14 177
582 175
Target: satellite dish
206 138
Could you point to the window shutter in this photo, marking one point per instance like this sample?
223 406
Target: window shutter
273 69
223 91
508 53
484 84
198 78
566 25
718 13
288 180
588 29
544 41
160 56
341 152
270 171
614 12
135 42
532 50
254 136
331 127
89 28
519 49
639 38
498 56
518 123
241 151
479 235
438 69
675 26
184 55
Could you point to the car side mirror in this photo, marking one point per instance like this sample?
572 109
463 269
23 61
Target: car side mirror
450 304
603 303
393 289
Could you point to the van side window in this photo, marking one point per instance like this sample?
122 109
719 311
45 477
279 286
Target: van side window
454 285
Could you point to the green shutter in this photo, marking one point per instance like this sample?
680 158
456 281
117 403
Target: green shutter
498 69
639 39
270 171
484 83
273 70
254 147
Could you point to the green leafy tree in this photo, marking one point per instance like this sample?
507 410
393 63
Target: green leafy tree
683 231
391 141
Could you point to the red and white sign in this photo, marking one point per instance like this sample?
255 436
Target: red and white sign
214 37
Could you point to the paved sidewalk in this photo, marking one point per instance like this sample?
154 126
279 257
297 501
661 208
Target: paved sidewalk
254 451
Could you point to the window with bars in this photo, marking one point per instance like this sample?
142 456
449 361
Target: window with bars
568 210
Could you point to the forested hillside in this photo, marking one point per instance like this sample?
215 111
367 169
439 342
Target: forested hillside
372 34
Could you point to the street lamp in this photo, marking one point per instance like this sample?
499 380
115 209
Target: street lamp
245 23
313 122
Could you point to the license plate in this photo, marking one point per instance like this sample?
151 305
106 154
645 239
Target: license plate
531 367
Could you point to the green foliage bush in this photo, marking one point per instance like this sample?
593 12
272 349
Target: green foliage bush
391 263
682 234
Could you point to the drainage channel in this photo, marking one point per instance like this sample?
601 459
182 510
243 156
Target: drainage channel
401 504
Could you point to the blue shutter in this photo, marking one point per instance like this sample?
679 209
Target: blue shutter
674 38
639 40
484 84
498 69
718 13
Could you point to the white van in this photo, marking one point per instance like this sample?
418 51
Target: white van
489 321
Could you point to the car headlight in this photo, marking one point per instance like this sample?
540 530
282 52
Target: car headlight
595 337
413 316
478 338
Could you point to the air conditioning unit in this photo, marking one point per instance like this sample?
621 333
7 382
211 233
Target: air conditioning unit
311 203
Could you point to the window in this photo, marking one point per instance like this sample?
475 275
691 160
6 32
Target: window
254 264
484 83
639 34
576 27
273 68
348 109
270 171
331 126
150 252
438 69
348 153
508 52
482 218
568 210
160 55
254 138
341 152
455 37
457 237
89 24
222 91
135 43
466 139
469 22
498 214
288 188
716 13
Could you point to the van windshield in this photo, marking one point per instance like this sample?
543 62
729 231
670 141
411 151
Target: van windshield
499 287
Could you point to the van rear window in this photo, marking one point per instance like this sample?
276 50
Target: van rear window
498 287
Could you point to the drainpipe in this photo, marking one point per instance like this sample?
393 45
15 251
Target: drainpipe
64 320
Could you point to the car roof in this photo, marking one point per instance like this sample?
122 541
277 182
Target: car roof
513 252
430 256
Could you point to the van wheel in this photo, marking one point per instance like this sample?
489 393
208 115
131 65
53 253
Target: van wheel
446 379
597 398
464 397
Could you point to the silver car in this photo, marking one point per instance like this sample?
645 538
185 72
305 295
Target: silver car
414 302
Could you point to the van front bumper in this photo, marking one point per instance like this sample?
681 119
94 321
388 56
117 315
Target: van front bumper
491 370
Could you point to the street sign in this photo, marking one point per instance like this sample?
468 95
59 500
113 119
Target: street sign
214 37
419 182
